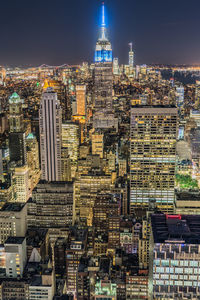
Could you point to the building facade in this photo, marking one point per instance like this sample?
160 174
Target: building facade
50 117
174 257
153 157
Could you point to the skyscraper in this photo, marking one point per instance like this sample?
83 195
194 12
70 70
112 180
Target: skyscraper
103 80
197 94
131 56
179 96
17 143
70 141
81 99
153 157
15 113
115 66
50 116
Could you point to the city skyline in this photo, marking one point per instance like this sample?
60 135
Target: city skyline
158 31
99 151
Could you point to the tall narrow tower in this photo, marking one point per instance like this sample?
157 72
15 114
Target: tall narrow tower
131 56
15 113
103 79
50 136
17 142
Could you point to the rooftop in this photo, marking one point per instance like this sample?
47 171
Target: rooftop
185 196
14 98
177 228
14 240
15 206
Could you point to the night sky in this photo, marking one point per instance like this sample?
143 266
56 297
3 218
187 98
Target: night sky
63 31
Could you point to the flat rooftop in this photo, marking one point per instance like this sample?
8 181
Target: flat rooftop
185 196
15 206
14 240
176 228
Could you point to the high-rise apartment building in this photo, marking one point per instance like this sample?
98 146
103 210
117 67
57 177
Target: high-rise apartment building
153 157
50 116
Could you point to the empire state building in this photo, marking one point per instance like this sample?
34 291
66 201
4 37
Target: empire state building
103 80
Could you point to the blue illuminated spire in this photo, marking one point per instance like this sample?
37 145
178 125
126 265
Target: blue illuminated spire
103 24
103 51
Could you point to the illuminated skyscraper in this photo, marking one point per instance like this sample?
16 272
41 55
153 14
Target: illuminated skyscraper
153 157
103 80
131 56
80 99
70 141
197 95
50 136
21 182
115 66
15 113
179 96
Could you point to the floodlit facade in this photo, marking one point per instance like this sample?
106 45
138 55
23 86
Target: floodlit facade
50 117
86 189
81 100
97 143
70 141
21 183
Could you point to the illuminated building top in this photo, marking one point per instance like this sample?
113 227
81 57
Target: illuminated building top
103 51
14 98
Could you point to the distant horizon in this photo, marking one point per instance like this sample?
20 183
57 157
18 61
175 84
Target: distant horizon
39 32
79 64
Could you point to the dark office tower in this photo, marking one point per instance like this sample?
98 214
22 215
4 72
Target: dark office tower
50 117
17 145
103 80
153 157
17 142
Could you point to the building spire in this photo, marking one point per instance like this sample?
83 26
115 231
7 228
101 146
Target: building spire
103 24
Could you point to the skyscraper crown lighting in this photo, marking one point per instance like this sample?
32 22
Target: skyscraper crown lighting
103 51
